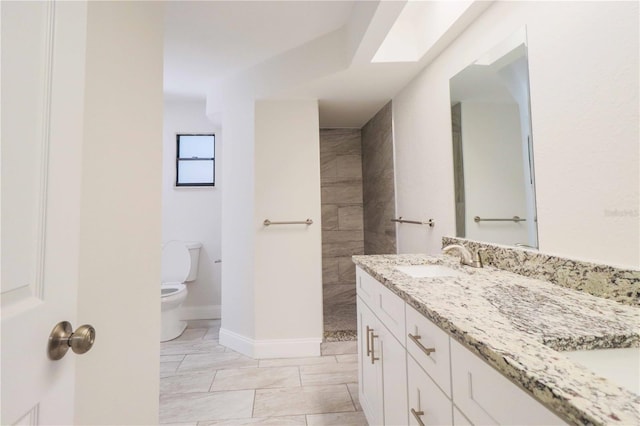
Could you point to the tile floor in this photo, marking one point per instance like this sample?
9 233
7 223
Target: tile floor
204 383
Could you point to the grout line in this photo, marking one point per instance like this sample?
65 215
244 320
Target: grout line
253 405
351 397
180 362
215 374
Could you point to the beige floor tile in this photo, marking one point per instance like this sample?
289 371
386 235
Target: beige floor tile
191 334
171 358
329 374
303 400
355 396
284 362
203 323
337 419
272 421
184 383
168 368
347 358
339 348
217 361
205 406
190 347
212 334
256 378
181 424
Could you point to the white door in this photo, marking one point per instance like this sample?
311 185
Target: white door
43 52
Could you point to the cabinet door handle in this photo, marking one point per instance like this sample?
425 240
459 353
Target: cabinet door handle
417 415
373 357
416 340
369 330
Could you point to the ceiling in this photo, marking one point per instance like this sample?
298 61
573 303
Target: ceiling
286 49
209 40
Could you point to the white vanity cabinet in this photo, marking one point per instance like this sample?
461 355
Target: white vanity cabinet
412 372
428 405
487 397
428 344
369 373
382 359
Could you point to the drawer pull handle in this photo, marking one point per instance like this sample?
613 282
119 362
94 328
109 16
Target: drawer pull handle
416 340
373 357
417 415
369 330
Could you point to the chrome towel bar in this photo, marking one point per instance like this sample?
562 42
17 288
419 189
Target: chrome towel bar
513 219
267 222
430 222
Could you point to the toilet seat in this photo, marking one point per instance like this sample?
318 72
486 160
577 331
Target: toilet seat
172 289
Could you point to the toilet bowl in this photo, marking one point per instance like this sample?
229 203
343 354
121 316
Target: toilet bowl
179 266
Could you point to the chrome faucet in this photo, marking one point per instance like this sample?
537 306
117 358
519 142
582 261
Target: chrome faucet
465 255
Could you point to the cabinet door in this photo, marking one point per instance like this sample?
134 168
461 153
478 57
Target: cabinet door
393 357
369 374
459 419
427 402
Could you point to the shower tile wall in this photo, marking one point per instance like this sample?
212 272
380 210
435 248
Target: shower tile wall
378 184
342 224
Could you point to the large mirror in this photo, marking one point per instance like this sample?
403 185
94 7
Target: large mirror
492 146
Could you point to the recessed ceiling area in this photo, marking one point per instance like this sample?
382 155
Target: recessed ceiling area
323 50
208 40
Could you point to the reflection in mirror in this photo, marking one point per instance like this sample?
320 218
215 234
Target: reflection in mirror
492 147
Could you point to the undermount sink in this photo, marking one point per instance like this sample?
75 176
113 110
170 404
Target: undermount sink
429 271
621 366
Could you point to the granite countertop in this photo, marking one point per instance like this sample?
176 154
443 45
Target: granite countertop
520 326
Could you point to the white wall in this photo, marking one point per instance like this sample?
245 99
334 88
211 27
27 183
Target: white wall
193 213
238 317
493 171
288 268
271 277
120 214
583 63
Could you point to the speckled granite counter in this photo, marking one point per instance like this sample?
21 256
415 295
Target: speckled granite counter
518 325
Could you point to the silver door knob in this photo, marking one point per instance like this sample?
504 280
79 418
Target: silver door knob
63 337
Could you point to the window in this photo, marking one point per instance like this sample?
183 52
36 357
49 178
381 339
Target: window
195 160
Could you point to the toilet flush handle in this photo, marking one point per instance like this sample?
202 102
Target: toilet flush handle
218 261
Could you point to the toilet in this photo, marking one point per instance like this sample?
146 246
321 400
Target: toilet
179 266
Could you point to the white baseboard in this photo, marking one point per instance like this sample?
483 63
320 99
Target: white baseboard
237 342
200 312
272 348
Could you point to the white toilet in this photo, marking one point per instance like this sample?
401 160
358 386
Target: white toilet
179 266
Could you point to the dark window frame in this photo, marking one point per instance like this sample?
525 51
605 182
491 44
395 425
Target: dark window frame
179 159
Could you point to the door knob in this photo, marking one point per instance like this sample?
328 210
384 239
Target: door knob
63 337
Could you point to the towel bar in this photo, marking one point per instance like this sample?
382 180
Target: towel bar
430 222
267 222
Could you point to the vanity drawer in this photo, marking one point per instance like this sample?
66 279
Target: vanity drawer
389 307
487 397
422 336
384 303
366 287
459 419
426 400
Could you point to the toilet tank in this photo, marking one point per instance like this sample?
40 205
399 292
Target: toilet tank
194 252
